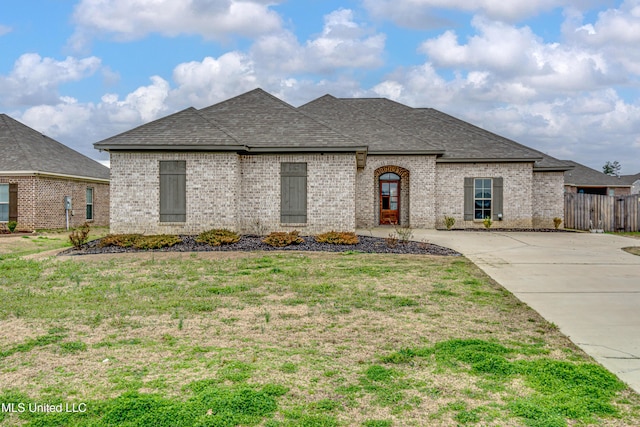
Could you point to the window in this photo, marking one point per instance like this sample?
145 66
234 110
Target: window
4 202
482 198
89 204
173 191
293 193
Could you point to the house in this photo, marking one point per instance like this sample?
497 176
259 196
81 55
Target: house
37 173
255 162
634 181
582 179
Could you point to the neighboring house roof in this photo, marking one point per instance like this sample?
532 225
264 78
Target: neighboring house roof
27 151
630 179
583 176
259 122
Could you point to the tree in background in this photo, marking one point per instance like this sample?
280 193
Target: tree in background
611 168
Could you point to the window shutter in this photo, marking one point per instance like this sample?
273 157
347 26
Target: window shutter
293 193
173 198
13 202
468 199
497 198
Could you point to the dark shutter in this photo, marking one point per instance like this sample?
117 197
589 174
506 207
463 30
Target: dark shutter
497 198
468 199
173 191
13 202
293 193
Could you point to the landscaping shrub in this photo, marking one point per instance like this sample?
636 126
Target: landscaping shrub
449 221
488 222
338 238
80 235
556 222
281 239
11 225
218 237
139 241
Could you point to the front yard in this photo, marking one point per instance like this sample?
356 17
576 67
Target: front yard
284 339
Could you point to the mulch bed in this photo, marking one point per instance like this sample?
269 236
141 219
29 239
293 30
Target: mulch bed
254 243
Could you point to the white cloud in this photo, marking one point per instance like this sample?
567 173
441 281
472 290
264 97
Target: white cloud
425 14
133 19
35 80
343 43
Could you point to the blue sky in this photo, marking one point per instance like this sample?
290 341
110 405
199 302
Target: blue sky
561 76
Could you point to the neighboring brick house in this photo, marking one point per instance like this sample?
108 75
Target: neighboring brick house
583 179
254 162
37 172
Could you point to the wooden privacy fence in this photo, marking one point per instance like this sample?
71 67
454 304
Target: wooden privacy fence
608 213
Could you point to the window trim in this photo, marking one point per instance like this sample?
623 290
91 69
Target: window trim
475 199
89 189
497 195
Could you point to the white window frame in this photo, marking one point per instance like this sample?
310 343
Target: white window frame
475 199
5 203
93 194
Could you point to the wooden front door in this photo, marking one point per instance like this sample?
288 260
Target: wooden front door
389 201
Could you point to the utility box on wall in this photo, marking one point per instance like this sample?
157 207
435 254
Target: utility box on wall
67 203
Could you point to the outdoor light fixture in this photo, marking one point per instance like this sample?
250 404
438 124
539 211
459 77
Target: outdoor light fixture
499 217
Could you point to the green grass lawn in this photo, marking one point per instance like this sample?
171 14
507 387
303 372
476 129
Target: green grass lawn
286 339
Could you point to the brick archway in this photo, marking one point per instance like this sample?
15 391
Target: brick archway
404 192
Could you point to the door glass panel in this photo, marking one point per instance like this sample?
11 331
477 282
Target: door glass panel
385 188
385 203
394 189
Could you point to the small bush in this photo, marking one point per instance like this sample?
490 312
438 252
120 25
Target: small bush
556 222
218 237
281 239
11 225
338 238
488 222
404 234
80 235
156 242
392 240
138 241
449 221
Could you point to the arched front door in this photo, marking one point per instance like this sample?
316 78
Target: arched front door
389 198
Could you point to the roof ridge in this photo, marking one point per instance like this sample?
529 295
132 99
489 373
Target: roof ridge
222 128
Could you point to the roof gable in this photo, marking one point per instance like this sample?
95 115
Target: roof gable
259 119
27 150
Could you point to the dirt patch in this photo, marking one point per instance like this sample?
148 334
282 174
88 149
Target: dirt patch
634 250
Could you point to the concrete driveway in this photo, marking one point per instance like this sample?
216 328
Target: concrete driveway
582 282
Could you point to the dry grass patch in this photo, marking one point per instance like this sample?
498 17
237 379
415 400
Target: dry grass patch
634 250
351 337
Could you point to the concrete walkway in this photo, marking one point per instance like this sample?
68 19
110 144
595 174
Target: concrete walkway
582 282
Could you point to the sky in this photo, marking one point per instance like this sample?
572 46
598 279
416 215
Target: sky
560 76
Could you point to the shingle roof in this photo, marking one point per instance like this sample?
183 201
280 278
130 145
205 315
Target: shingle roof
24 149
380 137
184 129
583 176
461 141
630 179
258 121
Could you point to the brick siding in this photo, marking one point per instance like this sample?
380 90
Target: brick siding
517 192
226 190
41 206
548 198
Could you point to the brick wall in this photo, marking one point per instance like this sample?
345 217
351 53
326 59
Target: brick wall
517 192
417 191
548 198
330 193
225 190
40 201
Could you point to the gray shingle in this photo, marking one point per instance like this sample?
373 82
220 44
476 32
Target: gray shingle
25 149
379 136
